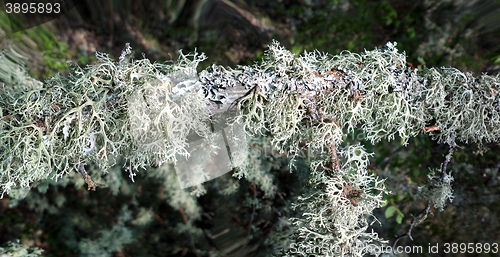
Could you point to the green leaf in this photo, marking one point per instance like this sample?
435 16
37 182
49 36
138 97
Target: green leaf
390 211
399 218
496 59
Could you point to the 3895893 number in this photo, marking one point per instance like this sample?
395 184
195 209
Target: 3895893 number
38 8
470 248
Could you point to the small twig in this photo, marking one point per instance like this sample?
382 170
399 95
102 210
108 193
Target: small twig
453 145
90 183
183 214
422 215
254 191
430 128
124 53
311 108
319 117
332 152
415 221
494 176
218 235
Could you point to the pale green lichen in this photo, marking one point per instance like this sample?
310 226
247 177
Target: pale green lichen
336 212
438 191
48 131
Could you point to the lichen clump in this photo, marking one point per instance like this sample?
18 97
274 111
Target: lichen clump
100 114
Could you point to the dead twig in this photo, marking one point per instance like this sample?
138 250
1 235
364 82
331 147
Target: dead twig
430 128
332 152
422 215
90 183
415 221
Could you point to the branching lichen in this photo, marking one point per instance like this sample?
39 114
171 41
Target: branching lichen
336 213
437 191
99 114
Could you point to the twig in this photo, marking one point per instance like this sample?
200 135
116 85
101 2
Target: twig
124 53
332 152
90 183
453 145
415 221
311 108
494 176
310 102
390 157
422 215
254 191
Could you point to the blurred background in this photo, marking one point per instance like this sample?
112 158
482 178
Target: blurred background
138 219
